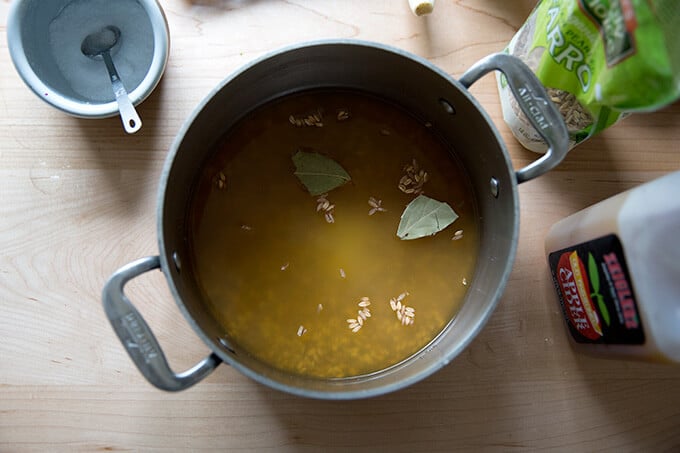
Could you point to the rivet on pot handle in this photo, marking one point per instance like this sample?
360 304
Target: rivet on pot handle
536 105
137 338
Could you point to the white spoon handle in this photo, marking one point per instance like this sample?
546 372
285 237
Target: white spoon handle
128 115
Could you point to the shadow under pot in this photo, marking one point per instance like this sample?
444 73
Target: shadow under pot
336 220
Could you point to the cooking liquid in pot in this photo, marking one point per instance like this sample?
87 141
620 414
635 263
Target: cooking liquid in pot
285 282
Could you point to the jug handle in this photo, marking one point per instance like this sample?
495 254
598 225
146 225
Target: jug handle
534 102
138 339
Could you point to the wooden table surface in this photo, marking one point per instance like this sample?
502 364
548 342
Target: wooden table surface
78 200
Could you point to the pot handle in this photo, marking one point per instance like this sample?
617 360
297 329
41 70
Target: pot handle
137 338
534 102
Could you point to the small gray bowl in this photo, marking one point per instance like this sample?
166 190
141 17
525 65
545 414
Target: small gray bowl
44 41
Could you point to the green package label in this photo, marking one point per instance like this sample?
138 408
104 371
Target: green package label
599 60
616 26
596 292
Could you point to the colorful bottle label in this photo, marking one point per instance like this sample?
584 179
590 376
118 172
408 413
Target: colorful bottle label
596 292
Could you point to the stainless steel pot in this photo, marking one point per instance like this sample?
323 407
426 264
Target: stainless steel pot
392 74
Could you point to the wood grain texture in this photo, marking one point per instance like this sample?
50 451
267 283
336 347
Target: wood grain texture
78 200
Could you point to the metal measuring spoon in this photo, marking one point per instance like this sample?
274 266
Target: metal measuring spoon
100 43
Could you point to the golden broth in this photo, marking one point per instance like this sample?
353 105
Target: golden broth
283 281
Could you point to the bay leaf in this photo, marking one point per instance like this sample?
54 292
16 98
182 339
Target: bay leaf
318 173
425 216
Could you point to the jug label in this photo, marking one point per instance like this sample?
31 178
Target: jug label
596 292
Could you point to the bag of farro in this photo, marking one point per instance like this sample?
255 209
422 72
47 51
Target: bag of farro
599 60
